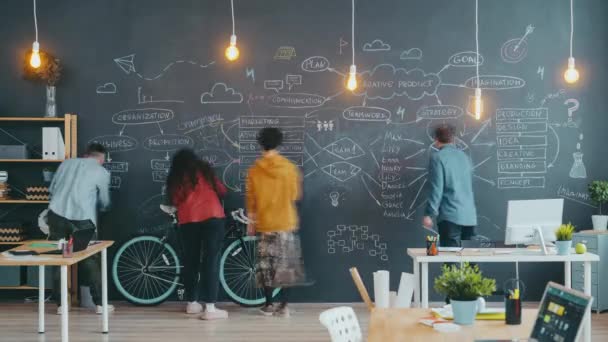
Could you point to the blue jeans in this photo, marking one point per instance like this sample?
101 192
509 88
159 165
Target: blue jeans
451 234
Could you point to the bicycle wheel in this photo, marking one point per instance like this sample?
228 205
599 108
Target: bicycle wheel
237 273
146 271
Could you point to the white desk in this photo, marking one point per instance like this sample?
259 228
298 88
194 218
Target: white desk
421 269
58 260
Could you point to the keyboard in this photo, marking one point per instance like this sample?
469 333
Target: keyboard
449 249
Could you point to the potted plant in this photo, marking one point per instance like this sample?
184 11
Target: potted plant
49 72
563 236
463 286
598 190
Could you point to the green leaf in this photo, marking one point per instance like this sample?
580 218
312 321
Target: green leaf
464 283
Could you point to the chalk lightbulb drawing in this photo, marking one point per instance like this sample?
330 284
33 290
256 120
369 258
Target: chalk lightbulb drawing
334 196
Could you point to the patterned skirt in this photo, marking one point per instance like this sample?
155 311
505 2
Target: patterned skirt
279 260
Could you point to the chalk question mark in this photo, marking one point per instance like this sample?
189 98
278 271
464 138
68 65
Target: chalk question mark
572 109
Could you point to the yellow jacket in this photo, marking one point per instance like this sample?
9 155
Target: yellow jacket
273 187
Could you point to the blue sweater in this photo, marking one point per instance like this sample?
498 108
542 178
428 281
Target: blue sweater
451 187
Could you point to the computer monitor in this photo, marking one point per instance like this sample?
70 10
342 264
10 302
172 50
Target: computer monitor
532 222
561 314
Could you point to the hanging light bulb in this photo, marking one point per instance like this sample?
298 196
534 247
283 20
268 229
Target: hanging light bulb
571 75
351 84
35 58
232 52
478 104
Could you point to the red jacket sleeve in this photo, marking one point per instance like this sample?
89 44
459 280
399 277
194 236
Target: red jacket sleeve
221 188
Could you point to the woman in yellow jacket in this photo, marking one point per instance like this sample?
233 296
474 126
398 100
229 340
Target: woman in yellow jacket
273 187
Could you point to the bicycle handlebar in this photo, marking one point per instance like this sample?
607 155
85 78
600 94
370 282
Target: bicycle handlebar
237 215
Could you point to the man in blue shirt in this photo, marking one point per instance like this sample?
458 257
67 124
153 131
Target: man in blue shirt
79 188
450 200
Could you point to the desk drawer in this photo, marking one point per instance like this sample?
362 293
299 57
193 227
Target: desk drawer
579 267
589 240
594 293
579 277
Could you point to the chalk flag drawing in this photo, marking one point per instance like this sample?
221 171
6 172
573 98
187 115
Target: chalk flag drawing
343 43
347 239
285 53
413 53
127 64
106 88
376 45
221 93
516 49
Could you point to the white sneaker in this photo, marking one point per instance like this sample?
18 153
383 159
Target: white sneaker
194 308
213 315
99 309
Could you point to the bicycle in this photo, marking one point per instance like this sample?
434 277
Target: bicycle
147 269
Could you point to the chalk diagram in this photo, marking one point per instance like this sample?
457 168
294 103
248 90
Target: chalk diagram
127 64
348 239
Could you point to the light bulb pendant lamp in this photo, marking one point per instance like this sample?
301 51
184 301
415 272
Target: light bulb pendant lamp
478 104
35 57
571 75
232 52
351 83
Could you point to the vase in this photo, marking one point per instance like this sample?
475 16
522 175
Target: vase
599 222
464 311
563 247
51 105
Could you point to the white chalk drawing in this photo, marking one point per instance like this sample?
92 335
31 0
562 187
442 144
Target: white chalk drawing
530 97
142 99
325 125
221 93
296 100
376 45
572 109
578 169
127 64
250 73
581 197
115 182
160 164
401 113
516 49
465 59
369 190
159 176
275 85
341 171
541 72
334 196
343 43
215 157
348 239
285 53
385 81
106 88
116 166
495 82
439 112
315 64
115 143
411 54
345 149
368 114
142 116
560 94
167 142
293 80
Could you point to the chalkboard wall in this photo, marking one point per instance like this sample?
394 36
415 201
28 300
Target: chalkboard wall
148 77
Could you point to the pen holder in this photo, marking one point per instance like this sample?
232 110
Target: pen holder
512 311
431 248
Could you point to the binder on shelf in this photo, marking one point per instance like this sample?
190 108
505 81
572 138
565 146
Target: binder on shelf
53 146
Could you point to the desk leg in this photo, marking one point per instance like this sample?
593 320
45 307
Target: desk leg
64 304
587 323
425 285
41 299
416 284
568 274
104 289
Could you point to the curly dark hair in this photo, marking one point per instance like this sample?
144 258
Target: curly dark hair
270 138
183 175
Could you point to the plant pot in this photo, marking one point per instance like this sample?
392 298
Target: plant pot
600 222
464 311
563 247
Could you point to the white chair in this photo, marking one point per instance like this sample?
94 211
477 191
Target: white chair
342 324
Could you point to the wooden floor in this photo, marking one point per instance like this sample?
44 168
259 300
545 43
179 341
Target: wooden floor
168 323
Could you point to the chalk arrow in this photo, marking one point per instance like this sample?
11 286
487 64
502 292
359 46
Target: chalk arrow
167 156
109 157
415 154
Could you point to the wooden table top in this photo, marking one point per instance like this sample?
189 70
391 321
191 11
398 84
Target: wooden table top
50 260
387 325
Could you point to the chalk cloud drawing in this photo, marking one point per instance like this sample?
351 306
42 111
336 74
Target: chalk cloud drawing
106 88
385 82
413 53
515 50
347 239
285 53
376 45
221 93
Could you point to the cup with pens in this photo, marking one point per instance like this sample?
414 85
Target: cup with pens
431 245
514 291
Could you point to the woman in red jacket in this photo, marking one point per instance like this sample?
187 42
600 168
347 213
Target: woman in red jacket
195 191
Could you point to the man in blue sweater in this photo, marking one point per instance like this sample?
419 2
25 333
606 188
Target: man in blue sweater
450 201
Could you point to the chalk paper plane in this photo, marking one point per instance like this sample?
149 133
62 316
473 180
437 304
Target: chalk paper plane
126 63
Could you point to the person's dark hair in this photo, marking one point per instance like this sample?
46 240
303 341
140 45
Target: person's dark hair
183 175
445 133
270 138
96 148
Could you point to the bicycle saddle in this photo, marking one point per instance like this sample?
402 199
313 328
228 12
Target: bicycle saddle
168 209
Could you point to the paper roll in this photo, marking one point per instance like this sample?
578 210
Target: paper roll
406 290
381 289
393 299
